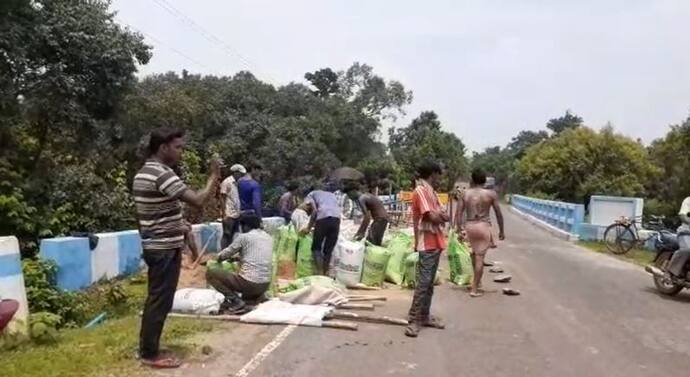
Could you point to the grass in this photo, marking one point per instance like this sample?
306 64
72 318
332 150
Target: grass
638 256
108 349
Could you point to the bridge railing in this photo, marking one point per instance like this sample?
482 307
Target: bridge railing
564 216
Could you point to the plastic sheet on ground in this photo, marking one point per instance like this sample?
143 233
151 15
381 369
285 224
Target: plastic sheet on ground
280 312
314 295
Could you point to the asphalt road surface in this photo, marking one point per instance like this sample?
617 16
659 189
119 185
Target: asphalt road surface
580 314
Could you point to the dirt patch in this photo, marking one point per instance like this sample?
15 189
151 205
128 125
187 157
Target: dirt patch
193 278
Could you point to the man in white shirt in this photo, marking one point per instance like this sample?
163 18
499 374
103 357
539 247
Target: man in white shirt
231 203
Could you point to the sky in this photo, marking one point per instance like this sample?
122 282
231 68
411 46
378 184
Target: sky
488 68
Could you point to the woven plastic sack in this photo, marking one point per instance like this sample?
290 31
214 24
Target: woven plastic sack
287 253
224 265
410 278
400 247
305 258
349 262
317 280
375 262
466 269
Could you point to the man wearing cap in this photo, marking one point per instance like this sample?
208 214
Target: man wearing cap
231 201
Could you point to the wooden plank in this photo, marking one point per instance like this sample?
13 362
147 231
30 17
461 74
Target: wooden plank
342 325
356 306
368 318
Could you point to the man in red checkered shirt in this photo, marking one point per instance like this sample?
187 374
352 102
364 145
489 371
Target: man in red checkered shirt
429 220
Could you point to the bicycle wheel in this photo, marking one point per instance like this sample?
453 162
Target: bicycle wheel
619 238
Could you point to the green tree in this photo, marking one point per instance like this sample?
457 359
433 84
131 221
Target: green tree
566 122
424 139
670 154
523 140
581 162
496 162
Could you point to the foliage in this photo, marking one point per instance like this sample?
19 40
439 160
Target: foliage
670 154
566 122
44 296
495 162
581 162
424 139
43 327
522 141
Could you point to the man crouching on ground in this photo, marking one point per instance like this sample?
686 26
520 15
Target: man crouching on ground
254 247
428 220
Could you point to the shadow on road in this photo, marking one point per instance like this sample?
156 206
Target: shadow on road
681 297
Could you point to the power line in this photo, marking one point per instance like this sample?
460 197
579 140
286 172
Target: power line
210 37
173 49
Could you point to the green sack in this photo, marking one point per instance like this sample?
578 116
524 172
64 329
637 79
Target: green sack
466 269
287 249
375 262
224 265
454 256
400 247
460 261
305 258
410 278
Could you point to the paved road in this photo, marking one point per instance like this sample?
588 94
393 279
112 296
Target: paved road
580 314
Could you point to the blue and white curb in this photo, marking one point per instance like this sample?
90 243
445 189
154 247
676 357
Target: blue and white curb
12 281
116 254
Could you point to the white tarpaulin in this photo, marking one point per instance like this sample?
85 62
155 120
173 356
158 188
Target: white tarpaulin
279 312
314 295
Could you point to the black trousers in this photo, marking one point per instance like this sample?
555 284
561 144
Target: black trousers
163 273
230 227
376 231
326 233
424 290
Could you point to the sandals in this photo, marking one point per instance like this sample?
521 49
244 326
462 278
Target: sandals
162 361
476 294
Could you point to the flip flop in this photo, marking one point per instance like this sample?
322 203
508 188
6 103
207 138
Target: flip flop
476 294
162 362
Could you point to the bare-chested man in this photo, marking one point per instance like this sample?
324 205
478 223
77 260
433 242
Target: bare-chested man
476 203
373 208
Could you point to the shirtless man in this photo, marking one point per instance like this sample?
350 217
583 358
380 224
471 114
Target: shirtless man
476 203
372 207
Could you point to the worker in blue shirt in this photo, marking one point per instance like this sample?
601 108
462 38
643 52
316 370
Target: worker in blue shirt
250 191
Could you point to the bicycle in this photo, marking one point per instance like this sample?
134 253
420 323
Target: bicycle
621 236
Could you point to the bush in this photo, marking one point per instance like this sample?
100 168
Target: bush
44 295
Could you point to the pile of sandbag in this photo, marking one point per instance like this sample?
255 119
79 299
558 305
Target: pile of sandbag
400 246
285 252
349 260
197 301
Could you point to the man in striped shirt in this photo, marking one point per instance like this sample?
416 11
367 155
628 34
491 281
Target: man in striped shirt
429 219
254 249
157 195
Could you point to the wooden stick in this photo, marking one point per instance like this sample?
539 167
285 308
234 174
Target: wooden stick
363 287
367 298
203 250
236 318
356 306
368 318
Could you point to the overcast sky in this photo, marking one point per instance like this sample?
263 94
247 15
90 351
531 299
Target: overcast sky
488 68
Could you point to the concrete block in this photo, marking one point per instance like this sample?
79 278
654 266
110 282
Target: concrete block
73 257
12 282
129 252
105 258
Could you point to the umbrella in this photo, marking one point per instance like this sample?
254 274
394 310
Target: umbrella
347 173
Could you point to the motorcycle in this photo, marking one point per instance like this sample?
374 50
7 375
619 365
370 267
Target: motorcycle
666 244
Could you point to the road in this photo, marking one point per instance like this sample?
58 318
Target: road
580 314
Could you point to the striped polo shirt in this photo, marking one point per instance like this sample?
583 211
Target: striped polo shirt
256 255
157 190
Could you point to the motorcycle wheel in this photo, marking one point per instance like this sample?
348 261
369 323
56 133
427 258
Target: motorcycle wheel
664 285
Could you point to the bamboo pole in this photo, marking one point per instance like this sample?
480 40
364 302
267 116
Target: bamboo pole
356 306
342 325
355 298
367 318
203 250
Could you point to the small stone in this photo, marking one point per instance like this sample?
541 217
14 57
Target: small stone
511 292
206 350
488 264
496 270
503 278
